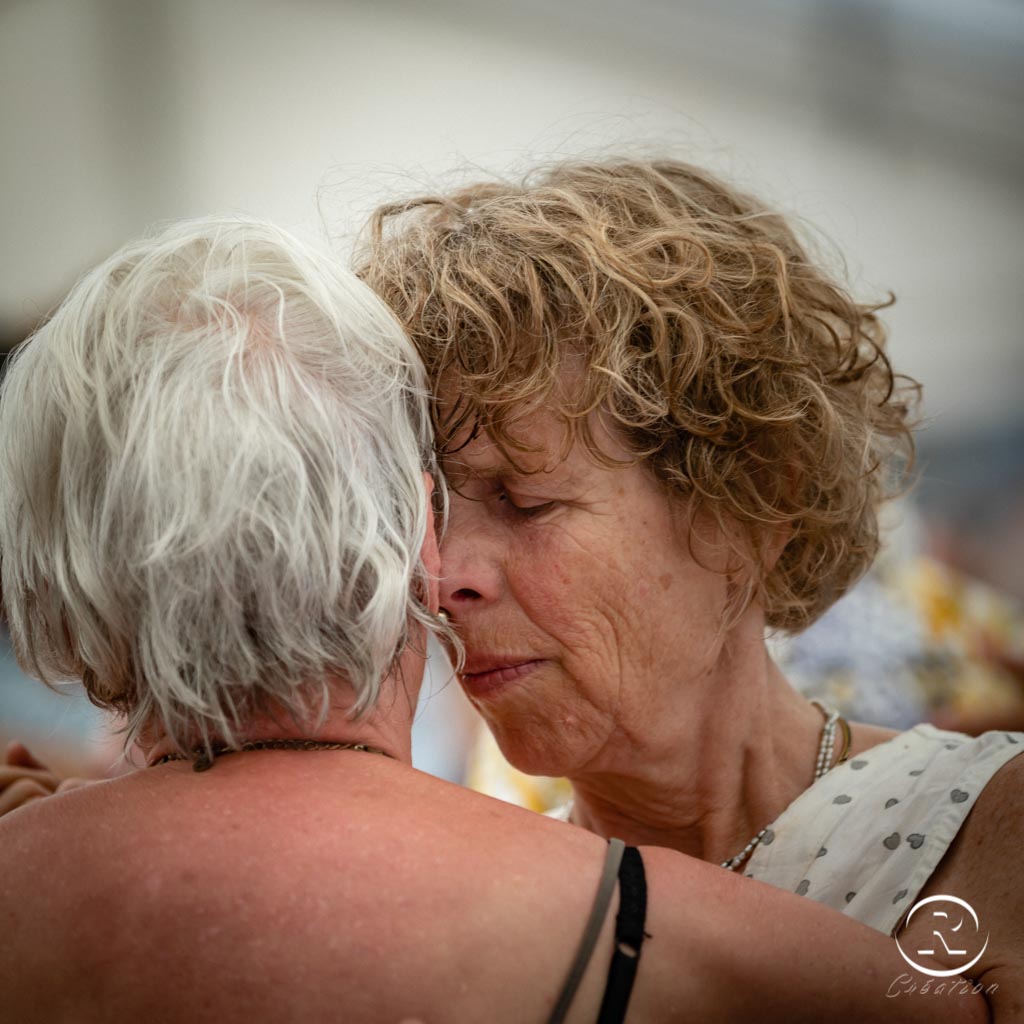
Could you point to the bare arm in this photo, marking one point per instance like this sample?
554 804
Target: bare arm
768 955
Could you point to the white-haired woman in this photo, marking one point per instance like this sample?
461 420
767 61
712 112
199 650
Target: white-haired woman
215 487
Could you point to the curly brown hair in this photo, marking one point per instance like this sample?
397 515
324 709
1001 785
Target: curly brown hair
734 366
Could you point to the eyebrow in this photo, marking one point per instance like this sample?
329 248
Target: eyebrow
459 474
507 474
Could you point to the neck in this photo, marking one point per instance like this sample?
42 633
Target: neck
387 726
748 749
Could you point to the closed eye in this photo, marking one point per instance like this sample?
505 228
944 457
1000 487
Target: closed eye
524 510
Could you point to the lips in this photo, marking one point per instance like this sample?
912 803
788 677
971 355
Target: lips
485 676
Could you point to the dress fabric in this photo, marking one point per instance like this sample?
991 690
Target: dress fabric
867 836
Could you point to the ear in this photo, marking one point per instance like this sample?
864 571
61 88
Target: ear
430 554
776 538
780 482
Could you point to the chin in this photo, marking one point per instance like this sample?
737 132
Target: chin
533 751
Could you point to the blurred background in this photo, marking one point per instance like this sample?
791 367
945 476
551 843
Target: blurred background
893 129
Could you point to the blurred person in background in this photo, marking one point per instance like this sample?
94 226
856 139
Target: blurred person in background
216 511
668 430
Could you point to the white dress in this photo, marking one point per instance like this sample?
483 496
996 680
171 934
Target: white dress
867 836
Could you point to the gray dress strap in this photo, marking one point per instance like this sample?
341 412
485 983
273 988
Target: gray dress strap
598 912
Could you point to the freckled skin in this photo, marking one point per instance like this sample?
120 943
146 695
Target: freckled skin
568 565
670 719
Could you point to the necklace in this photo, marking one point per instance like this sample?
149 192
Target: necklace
823 764
204 760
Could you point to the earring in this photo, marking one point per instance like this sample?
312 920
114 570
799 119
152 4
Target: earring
444 615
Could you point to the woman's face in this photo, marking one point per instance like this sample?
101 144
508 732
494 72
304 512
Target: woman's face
585 615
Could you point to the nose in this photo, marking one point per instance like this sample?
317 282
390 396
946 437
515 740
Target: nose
471 558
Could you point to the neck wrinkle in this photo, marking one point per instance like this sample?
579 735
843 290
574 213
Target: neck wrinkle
741 764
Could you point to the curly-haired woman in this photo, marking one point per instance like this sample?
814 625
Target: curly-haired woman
669 429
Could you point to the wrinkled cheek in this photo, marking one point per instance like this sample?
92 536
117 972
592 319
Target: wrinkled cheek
550 712
550 740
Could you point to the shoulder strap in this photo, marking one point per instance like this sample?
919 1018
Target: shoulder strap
629 937
605 888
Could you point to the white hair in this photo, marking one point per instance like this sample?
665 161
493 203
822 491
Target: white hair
211 492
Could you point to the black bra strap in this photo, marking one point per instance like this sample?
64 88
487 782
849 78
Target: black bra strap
629 937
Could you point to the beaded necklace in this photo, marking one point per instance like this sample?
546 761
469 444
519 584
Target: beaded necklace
823 764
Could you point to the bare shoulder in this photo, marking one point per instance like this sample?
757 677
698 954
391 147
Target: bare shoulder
41 904
1000 812
984 867
986 859
125 899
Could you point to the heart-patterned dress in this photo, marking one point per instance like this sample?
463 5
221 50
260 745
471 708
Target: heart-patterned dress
867 836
